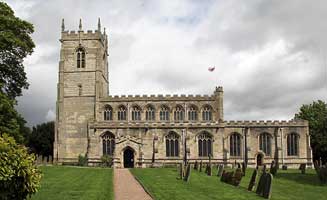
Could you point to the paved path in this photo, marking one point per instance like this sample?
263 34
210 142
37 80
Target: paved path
127 188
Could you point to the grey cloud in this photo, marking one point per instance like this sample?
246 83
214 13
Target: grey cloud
167 46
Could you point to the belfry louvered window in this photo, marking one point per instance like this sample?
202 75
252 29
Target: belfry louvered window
172 145
265 143
235 144
292 144
108 144
205 144
80 53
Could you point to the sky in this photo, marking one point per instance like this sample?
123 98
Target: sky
269 56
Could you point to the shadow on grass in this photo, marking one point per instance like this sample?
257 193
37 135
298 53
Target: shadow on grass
305 179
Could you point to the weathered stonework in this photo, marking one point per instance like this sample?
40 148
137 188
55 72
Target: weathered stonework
80 125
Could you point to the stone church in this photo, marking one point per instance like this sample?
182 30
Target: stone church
156 130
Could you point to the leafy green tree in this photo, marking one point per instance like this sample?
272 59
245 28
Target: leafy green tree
19 177
41 139
15 44
316 114
10 121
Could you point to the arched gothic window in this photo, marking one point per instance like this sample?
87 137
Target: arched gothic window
136 113
235 144
192 113
164 113
292 144
108 144
265 143
207 113
107 114
179 113
150 113
80 53
205 144
122 113
172 145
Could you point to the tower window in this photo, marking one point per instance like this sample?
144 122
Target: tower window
150 113
80 58
136 113
192 113
179 113
121 113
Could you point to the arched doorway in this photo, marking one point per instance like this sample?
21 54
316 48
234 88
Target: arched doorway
259 159
128 158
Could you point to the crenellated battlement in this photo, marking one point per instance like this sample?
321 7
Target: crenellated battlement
81 34
160 97
246 123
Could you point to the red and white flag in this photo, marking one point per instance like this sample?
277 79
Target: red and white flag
211 69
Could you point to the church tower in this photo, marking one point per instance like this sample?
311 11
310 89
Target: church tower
82 81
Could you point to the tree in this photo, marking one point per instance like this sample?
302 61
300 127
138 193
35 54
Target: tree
10 121
41 139
316 114
15 44
19 177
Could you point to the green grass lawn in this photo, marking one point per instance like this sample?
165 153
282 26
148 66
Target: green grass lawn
59 182
163 184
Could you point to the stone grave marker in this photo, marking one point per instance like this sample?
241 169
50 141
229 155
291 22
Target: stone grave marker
302 168
252 180
243 168
237 177
200 166
196 165
220 170
188 173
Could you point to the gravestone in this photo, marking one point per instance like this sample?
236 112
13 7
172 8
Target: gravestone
238 165
237 177
188 173
252 180
302 168
220 170
321 173
284 167
273 168
264 188
264 169
209 171
196 165
223 176
39 159
200 166
267 190
50 159
206 169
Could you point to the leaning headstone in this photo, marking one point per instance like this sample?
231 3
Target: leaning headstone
267 190
252 180
237 177
220 170
238 165
302 168
206 169
188 173
44 160
284 167
200 166
259 189
209 171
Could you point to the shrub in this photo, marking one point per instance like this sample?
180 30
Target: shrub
82 160
19 176
106 161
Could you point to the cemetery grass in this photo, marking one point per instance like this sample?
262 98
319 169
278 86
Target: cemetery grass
83 183
163 183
